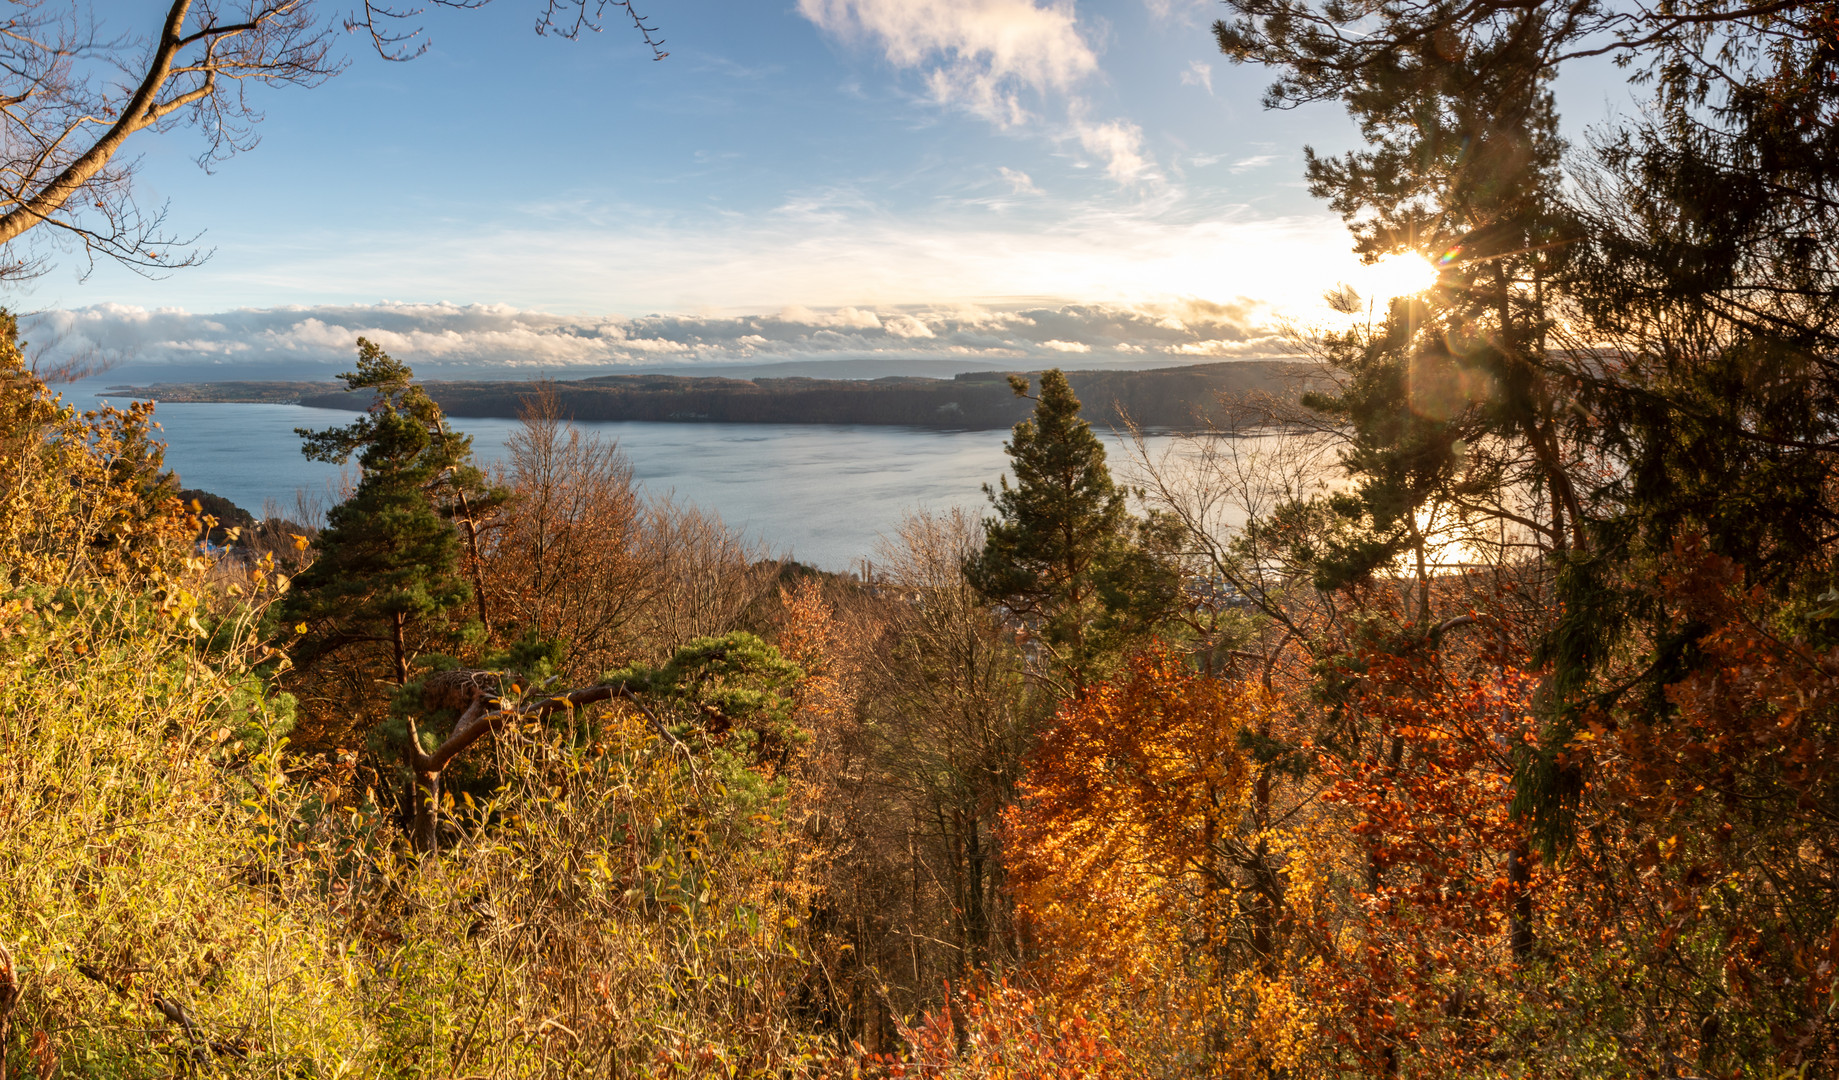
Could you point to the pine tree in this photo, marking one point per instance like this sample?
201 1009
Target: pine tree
388 560
1648 345
1064 553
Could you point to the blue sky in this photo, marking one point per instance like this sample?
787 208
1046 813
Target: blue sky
985 179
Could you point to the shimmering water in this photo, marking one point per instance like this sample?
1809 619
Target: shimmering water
823 494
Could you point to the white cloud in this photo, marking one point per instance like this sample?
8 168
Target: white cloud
854 318
1200 74
1019 182
1184 11
1119 143
992 58
1256 161
267 343
906 326
875 259
1216 348
977 54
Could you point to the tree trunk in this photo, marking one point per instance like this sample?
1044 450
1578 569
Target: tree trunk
140 111
472 550
1519 892
977 927
9 1000
1264 876
1417 546
425 790
1394 758
402 650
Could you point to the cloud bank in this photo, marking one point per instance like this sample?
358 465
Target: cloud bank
264 343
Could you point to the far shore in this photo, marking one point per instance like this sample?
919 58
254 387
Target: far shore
1175 398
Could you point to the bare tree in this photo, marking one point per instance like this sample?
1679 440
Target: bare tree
71 97
954 715
73 92
914 792
705 577
394 36
570 560
1228 487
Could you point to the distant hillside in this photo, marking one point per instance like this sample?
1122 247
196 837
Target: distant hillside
252 391
1161 398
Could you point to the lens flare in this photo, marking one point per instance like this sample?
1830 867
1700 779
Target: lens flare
1405 274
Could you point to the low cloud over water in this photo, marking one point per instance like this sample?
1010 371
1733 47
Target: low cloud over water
496 336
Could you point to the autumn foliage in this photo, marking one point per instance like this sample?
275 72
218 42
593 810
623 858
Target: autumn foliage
1002 1030
1421 945
1135 793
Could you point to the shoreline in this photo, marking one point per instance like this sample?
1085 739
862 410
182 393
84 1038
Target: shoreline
1177 398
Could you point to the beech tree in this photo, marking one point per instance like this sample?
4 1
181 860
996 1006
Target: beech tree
573 563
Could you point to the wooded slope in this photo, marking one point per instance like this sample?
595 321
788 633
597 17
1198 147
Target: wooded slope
1176 397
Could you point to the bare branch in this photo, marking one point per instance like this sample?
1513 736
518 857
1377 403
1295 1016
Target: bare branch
72 96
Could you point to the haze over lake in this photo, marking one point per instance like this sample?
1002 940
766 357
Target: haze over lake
824 494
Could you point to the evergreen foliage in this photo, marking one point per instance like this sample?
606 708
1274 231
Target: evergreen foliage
1404 453
1063 552
1687 387
388 560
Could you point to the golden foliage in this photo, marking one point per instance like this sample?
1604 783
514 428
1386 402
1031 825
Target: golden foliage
1126 845
80 495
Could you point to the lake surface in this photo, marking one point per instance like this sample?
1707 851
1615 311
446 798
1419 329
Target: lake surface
823 494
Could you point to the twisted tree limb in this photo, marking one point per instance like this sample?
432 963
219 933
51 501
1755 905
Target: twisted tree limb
488 714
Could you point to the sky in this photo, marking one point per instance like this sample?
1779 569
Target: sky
967 182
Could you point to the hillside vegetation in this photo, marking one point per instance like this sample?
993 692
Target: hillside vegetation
516 774
1477 719
1174 398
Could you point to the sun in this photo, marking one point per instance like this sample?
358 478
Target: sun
1403 274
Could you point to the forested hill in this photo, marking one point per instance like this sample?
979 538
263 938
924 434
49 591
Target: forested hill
1174 397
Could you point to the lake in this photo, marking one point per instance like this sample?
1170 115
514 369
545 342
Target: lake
822 494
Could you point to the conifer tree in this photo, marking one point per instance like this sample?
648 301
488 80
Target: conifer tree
1063 552
1647 346
387 560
